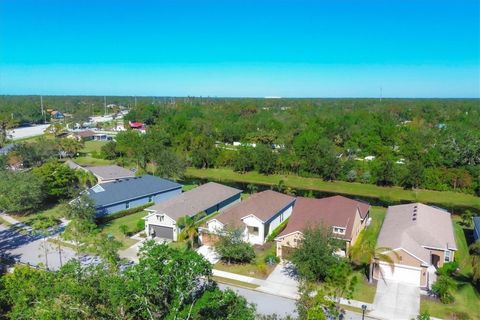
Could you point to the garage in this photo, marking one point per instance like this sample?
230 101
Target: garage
161 232
401 273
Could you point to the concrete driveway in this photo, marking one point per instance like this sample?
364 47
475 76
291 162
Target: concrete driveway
396 301
209 253
282 281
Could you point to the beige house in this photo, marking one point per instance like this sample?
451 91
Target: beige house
346 218
423 239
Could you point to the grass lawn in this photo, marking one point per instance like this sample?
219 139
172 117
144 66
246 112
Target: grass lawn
364 291
257 268
467 298
235 282
445 198
113 227
57 211
89 161
91 146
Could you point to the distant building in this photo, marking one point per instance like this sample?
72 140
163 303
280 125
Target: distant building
110 173
129 193
476 228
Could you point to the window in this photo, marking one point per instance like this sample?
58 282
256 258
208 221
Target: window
281 218
447 256
127 205
339 230
254 231
160 217
150 199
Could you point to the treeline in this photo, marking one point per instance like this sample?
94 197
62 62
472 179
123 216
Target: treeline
431 144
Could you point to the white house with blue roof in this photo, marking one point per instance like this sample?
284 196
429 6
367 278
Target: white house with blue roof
132 192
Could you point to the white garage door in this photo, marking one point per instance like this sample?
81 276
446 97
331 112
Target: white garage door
400 273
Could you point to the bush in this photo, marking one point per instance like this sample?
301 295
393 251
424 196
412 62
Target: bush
443 288
448 268
277 230
140 225
233 249
271 259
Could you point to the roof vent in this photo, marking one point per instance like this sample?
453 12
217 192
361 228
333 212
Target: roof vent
414 219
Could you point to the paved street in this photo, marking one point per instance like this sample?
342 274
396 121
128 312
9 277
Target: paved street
396 301
26 132
270 304
29 248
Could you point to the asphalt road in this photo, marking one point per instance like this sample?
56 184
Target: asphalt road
30 248
269 304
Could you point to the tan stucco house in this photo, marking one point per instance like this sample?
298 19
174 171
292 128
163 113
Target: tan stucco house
423 239
346 218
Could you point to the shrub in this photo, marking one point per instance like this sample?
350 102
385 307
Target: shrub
448 268
443 288
277 230
271 259
123 213
233 249
140 225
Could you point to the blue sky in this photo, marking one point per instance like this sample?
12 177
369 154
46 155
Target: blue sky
344 48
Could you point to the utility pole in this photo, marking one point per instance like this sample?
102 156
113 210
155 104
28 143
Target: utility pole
381 94
105 104
135 101
43 111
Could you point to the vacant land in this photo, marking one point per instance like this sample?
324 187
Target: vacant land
447 199
93 146
89 161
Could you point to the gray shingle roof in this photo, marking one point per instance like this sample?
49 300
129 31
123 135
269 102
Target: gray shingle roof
415 226
128 189
110 172
196 200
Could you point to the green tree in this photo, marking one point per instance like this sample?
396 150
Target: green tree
245 159
467 217
82 208
475 253
385 174
443 288
169 165
232 248
315 254
21 192
60 181
123 229
265 159
414 174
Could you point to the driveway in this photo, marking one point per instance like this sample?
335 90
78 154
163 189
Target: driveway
396 301
209 253
282 281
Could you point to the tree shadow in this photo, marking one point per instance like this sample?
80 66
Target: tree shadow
290 270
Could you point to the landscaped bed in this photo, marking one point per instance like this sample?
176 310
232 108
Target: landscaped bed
257 268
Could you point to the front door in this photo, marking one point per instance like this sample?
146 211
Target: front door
435 260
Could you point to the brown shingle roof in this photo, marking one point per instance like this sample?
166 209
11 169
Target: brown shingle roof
332 211
263 205
85 133
413 226
195 201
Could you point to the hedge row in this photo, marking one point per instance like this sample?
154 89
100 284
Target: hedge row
123 213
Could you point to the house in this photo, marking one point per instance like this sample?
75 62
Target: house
476 228
257 216
129 193
345 217
84 135
208 198
110 173
422 238
57 115
139 126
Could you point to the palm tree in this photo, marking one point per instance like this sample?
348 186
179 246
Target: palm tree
189 231
367 253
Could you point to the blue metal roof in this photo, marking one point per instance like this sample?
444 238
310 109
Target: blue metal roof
123 190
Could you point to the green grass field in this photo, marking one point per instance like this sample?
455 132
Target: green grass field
57 212
89 161
91 146
446 199
113 227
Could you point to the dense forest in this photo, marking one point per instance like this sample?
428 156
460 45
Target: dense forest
415 143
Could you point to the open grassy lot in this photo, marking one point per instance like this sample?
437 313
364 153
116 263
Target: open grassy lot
91 146
394 194
364 291
257 268
57 211
89 161
113 227
467 298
